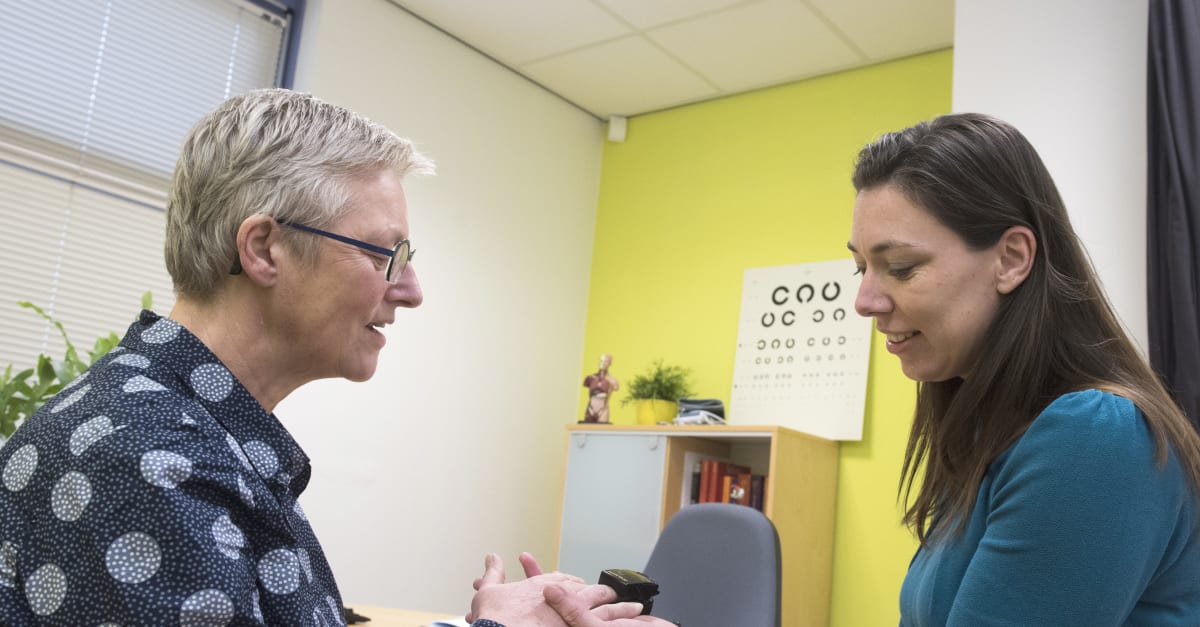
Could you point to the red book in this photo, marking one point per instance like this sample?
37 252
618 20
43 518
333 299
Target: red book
706 477
714 486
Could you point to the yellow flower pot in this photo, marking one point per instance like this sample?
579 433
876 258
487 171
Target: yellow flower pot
653 411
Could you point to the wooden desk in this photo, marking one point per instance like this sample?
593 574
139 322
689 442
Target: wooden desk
391 617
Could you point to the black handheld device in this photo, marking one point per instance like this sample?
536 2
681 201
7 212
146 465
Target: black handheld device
631 586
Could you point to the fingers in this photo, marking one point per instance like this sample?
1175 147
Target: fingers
493 571
568 607
615 611
530 565
598 595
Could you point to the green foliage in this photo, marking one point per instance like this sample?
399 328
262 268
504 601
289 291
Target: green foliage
668 383
23 393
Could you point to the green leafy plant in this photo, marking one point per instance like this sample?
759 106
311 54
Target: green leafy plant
668 383
23 393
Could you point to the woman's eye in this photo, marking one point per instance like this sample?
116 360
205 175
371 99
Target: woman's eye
901 272
860 270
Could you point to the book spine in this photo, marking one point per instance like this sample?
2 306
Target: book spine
756 491
706 476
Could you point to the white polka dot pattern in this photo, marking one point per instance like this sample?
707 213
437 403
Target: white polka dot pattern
165 469
133 359
334 606
45 589
71 496
244 492
142 384
133 557
158 453
237 450
8 565
70 400
229 538
20 468
257 607
89 433
263 457
279 572
161 332
212 382
207 608
305 565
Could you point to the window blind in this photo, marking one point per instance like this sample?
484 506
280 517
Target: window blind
95 99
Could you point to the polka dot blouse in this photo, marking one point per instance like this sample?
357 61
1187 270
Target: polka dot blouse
154 490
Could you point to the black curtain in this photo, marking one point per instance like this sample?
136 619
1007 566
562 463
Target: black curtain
1173 209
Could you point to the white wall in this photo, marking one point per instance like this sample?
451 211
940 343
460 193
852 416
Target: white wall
1071 74
456 447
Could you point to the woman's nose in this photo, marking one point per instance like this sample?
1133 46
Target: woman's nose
407 291
870 300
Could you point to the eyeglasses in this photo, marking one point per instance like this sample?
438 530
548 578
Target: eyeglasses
398 256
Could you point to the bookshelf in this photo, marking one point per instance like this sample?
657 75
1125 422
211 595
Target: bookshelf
624 482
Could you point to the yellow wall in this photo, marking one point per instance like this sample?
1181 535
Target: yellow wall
696 195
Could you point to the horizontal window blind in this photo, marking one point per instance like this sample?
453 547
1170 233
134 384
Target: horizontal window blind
95 99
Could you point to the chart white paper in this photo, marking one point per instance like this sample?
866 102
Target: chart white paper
802 352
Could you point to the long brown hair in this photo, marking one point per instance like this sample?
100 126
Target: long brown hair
1055 333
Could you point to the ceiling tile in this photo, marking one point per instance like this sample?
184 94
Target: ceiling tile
643 14
621 77
757 44
872 26
520 31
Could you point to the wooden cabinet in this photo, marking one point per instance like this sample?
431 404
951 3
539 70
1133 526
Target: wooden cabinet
622 484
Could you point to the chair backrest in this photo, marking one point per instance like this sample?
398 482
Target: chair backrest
717 565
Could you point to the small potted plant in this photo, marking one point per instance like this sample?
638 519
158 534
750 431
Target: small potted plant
657 391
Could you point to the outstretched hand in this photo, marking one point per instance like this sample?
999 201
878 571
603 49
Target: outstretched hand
521 603
575 612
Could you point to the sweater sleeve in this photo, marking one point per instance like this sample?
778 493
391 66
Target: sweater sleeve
1079 516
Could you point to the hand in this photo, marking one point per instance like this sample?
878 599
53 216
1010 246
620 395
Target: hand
521 603
574 610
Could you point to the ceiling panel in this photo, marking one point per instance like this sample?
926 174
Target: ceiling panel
629 57
872 26
621 77
520 31
757 44
645 14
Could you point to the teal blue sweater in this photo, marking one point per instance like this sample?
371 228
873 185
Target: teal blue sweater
1074 524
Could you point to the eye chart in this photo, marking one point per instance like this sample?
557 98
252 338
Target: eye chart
802 351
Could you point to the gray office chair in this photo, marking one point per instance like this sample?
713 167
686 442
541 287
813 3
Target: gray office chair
717 565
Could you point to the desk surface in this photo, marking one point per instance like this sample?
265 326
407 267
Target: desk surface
391 617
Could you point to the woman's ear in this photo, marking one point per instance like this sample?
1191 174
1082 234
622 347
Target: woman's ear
254 239
1017 248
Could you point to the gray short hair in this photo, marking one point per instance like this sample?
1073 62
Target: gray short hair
274 152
